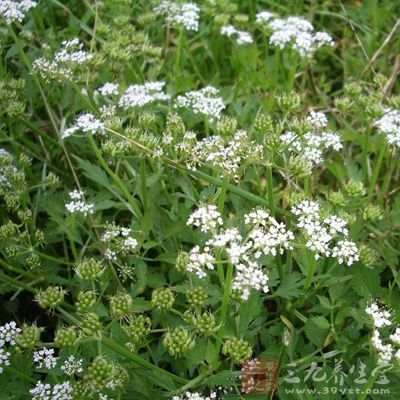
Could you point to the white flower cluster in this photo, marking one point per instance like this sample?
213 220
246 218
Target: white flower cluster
119 241
382 318
195 396
86 123
8 332
45 358
264 236
326 237
311 146
78 204
64 64
227 153
8 170
264 16
45 391
389 125
206 217
294 32
15 10
241 37
203 101
141 95
186 14
109 89
72 366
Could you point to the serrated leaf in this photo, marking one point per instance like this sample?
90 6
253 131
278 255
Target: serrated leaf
289 287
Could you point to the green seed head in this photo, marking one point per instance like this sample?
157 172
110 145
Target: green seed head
85 302
336 198
196 297
175 126
66 337
237 349
138 328
100 373
89 270
226 126
205 324
368 256
182 261
162 299
29 337
178 341
121 305
372 213
91 325
50 298
354 188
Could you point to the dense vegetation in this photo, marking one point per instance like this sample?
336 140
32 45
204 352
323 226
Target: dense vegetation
188 187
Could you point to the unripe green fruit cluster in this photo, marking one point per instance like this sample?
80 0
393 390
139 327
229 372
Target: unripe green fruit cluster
178 341
196 297
89 270
66 337
85 302
138 328
162 298
29 337
121 305
237 349
52 297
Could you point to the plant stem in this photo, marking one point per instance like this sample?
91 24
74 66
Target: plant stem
120 184
225 300
271 202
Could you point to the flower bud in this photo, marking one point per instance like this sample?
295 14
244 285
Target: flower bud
354 188
372 213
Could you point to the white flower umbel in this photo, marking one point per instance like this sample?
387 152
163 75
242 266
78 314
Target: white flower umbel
317 119
72 366
141 95
186 14
395 337
65 64
249 276
385 351
195 396
206 217
225 153
293 32
199 260
119 241
380 316
203 101
15 10
346 252
312 145
45 391
78 204
326 237
45 358
264 16
85 123
4 359
109 89
241 37
8 332
389 125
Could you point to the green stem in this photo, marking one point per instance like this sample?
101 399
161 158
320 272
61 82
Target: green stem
120 184
225 300
140 361
271 202
377 169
